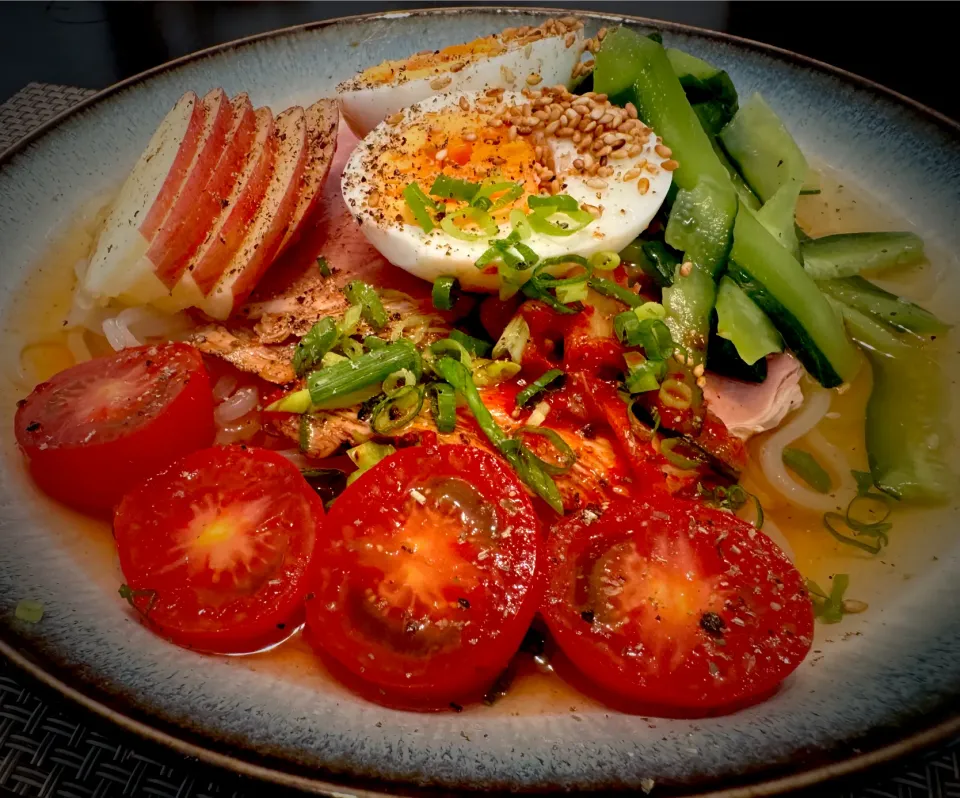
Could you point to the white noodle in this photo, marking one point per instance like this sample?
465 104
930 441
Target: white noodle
237 406
239 431
77 345
771 456
117 334
225 386
150 323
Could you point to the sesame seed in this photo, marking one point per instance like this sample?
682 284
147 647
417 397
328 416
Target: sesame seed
597 183
619 154
552 127
441 155
633 174
669 166
775 607
686 268
603 151
701 382
663 151
605 171
511 134
570 39
464 104
631 110
643 185
600 36
469 136
507 75
565 132
395 119
533 79
440 83
690 360
698 370
373 198
578 163
593 210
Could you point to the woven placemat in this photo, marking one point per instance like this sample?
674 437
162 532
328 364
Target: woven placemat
53 748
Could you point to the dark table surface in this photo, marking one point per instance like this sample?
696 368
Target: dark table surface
94 44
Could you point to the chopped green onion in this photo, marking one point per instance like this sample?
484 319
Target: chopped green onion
474 346
513 339
481 219
508 193
667 449
371 368
296 402
520 225
397 410
373 342
573 221
351 321
399 379
611 289
560 202
324 266
447 187
829 608
805 466
29 611
314 345
364 295
351 348
418 202
874 504
568 456
443 404
493 372
451 348
537 386
445 290
833 520
655 339
650 310
511 279
527 467
604 261
567 294
676 394
331 358
646 376
305 432
366 456
626 326
864 480
348 399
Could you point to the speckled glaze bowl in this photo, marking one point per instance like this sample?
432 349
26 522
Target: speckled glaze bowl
890 686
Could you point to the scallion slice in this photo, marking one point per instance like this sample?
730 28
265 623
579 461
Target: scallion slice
650 310
676 394
371 368
646 376
560 202
513 339
605 261
568 457
626 326
474 346
520 225
324 266
668 448
351 348
483 221
445 290
447 187
443 404
373 342
397 410
524 463
366 456
351 321
493 372
314 345
296 402
568 294
451 348
655 339
508 193
611 289
418 202
573 221
537 386
366 296
403 378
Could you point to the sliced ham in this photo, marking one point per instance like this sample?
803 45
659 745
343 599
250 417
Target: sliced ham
749 408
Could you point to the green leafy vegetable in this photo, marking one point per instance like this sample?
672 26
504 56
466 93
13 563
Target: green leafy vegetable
314 345
445 290
538 385
828 607
474 346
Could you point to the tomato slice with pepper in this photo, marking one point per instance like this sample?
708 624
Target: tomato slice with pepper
96 429
668 603
216 548
426 581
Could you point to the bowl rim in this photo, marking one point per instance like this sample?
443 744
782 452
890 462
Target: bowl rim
151 729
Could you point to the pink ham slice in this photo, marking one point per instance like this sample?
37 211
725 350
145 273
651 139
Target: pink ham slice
748 408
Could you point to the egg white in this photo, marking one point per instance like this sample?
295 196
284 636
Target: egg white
626 212
365 105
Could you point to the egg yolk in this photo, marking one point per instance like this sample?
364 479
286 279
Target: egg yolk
433 62
457 145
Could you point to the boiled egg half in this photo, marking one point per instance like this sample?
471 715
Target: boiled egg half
546 55
511 152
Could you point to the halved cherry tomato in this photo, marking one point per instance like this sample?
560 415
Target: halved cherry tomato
671 604
427 579
215 548
97 429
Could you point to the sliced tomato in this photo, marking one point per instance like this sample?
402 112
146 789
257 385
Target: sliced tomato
215 549
671 604
96 429
427 578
